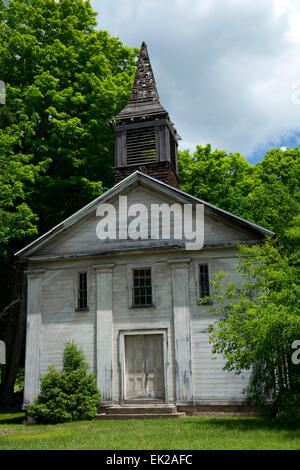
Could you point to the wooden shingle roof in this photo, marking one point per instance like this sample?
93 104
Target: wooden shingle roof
144 98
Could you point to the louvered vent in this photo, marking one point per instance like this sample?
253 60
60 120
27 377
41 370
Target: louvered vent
140 145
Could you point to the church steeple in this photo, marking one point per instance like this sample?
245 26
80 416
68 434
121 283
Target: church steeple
144 98
146 139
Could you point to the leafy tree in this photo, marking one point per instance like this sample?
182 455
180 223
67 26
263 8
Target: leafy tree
69 395
267 193
64 81
215 176
260 318
17 219
260 321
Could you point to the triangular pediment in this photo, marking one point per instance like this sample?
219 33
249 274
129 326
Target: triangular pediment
78 235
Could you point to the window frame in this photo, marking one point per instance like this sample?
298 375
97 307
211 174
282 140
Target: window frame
130 283
197 264
146 287
201 296
77 289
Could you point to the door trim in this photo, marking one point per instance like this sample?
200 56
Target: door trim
153 331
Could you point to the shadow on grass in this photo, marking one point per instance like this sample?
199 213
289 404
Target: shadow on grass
12 417
244 424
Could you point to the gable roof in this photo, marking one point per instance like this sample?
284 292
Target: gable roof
135 178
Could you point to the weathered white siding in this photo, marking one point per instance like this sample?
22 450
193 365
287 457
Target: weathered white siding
175 312
150 318
82 237
60 321
209 380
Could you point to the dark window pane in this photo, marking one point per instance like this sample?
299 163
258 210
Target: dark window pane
203 280
142 290
82 292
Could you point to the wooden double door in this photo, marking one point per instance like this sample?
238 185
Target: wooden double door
144 367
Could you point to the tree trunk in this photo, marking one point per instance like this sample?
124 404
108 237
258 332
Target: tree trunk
14 338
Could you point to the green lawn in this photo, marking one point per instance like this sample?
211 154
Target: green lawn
182 434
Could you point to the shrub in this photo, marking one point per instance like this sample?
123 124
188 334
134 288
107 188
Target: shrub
289 408
289 402
69 395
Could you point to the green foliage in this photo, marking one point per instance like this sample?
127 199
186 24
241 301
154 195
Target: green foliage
69 395
17 219
215 176
64 82
289 407
19 383
260 320
267 194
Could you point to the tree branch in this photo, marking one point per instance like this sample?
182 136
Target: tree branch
10 305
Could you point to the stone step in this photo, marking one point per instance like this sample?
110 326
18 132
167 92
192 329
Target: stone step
128 410
225 414
140 416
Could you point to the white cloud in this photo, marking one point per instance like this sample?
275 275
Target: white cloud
224 68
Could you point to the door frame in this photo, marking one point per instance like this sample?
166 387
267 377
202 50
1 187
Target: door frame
122 367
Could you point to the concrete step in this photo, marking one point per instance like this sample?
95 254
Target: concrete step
129 410
140 416
225 414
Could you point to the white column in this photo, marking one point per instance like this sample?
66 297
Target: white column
104 332
33 336
182 336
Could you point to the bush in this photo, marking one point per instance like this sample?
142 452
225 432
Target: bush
69 395
289 408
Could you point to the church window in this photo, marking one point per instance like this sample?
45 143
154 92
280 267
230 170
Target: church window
82 291
203 280
142 287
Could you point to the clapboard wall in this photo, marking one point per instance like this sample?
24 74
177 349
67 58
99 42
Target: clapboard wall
61 322
191 374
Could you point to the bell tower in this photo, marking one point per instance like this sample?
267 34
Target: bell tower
145 137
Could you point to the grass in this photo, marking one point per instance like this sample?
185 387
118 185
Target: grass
181 434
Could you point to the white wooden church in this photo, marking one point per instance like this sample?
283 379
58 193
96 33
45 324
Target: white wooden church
132 305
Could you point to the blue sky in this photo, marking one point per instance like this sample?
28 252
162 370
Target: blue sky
228 71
